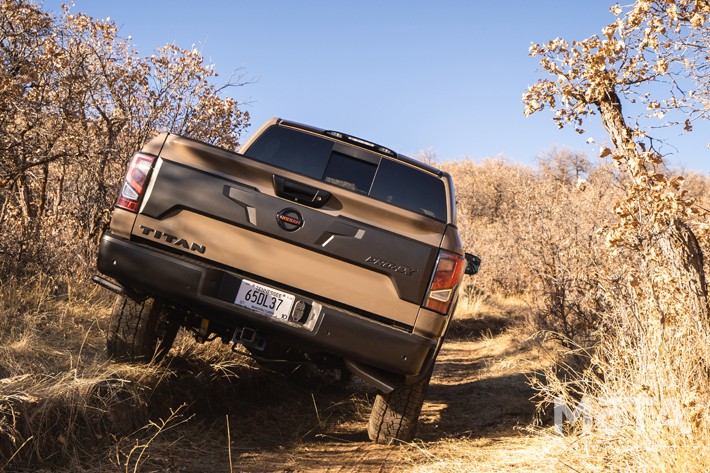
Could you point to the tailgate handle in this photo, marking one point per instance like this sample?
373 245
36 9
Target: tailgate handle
301 193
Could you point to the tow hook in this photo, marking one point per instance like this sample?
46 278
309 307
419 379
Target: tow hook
248 337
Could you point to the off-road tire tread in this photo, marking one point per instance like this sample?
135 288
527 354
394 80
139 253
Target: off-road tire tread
394 415
132 331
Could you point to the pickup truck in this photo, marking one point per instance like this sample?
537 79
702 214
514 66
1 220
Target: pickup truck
305 246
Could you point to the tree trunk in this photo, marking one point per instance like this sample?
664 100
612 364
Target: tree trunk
679 247
681 250
614 122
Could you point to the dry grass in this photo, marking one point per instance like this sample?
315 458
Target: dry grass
63 407
524 453
643 403
60 399
62 404
479 404
649 413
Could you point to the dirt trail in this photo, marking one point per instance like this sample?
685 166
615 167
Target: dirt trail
478 396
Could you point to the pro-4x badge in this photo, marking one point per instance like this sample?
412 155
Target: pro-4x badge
289 219
397 268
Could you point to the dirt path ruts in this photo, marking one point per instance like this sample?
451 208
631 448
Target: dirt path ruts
479 391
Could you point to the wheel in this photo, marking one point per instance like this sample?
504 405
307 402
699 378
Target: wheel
139 331
394 415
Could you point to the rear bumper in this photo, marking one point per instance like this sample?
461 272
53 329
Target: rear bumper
210 291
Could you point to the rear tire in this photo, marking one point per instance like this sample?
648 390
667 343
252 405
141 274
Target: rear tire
395 415
139 331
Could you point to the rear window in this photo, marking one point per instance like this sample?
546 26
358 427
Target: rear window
350 173
289 149
410 188
368 173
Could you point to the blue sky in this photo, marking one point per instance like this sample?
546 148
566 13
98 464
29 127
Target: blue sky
443 76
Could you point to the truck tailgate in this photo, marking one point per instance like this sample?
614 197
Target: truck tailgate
221 206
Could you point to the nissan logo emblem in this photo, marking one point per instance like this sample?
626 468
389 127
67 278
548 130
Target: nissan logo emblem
289 219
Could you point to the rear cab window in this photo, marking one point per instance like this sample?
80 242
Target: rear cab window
354 169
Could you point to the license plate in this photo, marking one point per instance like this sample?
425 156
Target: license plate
265 300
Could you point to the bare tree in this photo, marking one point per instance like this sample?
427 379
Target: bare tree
654 44
76 101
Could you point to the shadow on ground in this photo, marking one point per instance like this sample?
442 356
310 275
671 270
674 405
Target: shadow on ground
470 407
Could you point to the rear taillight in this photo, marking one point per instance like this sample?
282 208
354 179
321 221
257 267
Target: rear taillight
447 276
135 181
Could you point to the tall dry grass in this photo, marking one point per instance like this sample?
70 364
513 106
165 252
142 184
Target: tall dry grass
58 393
644 401
632 379
64 406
